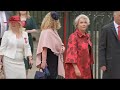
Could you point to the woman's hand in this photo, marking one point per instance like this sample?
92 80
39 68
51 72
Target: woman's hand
30 60
43 65
77 71
1 65
28 31
31 31
1 57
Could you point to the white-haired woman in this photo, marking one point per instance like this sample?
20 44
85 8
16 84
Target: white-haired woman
79 52
50 47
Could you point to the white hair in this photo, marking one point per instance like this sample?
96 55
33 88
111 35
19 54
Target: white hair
115 12
81 16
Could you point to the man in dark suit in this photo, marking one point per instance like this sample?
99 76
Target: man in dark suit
109 48
4 16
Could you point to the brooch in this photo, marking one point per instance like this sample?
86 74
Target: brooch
25 40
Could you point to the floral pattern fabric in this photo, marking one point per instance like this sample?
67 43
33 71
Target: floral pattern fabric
79 51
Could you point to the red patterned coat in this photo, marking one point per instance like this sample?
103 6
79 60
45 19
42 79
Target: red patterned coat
79 52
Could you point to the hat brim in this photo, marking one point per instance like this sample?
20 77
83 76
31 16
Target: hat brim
13 21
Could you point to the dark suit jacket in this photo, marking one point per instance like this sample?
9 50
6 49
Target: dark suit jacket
109 52
8 15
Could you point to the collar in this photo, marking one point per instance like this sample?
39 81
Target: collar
80 34
116 25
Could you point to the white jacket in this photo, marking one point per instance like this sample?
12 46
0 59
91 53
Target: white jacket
9 46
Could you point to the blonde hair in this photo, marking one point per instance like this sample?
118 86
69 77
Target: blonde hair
27 14
76 21
49 22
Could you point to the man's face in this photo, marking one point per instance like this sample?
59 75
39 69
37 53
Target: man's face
117 17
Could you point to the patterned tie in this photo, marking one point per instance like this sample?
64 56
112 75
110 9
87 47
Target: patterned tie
119 32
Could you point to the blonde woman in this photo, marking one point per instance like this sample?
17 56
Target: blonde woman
50 47
14 46
30 27
79 52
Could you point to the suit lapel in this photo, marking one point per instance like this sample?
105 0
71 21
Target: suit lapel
114 30
7 15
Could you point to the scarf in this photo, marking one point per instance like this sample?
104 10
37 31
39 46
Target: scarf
49 38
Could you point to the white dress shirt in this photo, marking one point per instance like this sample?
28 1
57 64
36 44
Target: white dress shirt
116 27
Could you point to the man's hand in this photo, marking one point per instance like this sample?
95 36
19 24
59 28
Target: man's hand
103 68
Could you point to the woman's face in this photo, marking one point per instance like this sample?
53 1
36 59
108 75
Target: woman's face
15 24
23 12
82 24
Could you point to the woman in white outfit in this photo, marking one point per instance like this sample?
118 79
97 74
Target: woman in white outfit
14 47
